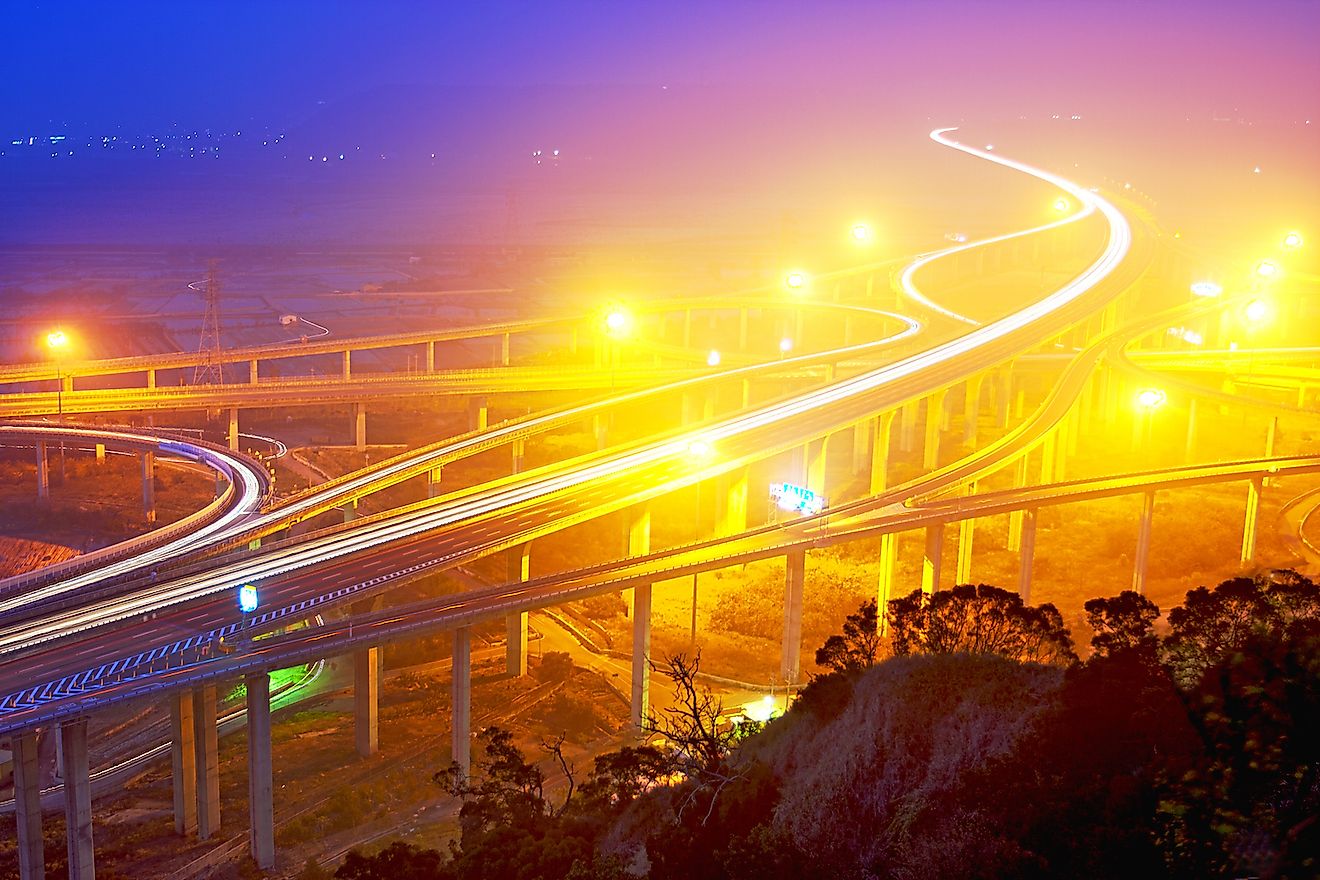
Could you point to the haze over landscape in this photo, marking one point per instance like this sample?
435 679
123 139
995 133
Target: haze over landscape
605 441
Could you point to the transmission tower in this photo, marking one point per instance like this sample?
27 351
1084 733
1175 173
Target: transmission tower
209 370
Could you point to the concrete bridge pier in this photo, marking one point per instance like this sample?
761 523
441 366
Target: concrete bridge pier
930 457
261 804
350 509
505 344
519 561
734 518
888 575
907 426
147 459
600 429
641 655
518 451
971 409
348 365
966 532
43 472
100 454
1143 542
183 762
233 428
430 356
366 701
1027 553
461 727
27 806
478 413
932 559
1020 474
882 428
77 799
1004 397
861 445
1254 487
206 761
433 482
1189 445
795 565
151 379
817 456
252 372
637 539
360 426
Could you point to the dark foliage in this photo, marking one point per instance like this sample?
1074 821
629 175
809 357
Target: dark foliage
1125 622
859 645
979 619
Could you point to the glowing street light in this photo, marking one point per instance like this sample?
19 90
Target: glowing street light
618 321
1256 311
1292 240
57 339
1268 269
795 280
1151 399
1062 205
1206 288
785 346
700 448
861 233
713 359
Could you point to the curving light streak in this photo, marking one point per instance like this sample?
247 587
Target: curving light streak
248 486
905 279
375 534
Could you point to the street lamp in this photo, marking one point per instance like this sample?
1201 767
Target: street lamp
1268 269
1292 240
713 359
57 340
785 346
795 281
861 233
1062 205
1148 400
1256 311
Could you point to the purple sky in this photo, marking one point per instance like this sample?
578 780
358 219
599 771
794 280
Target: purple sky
229 62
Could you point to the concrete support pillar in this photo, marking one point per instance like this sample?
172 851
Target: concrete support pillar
908 426
600 429
1004 397
817 462
971 409
888 574
430 356
518 452
100 453
795 563
366 701
1020 473
1027 553
252 371
1254 487
151 378
861 445
348 365
233 428
261 802
147 459
183 762
43 472
930 458
641 655
882 427
742 329
638 539
207 761
350 509
966 531
504 349
27 806
734 520
519 561
433 482
360 426
1049 452
77 800
932 558
478 413
1143 542
461 727
746 393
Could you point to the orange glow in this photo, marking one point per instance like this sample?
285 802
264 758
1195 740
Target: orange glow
1062 205
57 339
617 321
795 280
1150 398
861 233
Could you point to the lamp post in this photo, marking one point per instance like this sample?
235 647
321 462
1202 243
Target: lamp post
57 340
1148 400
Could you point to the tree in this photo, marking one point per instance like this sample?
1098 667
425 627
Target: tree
397 860
979 619
1212 623
857 648
1123 622
620 777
